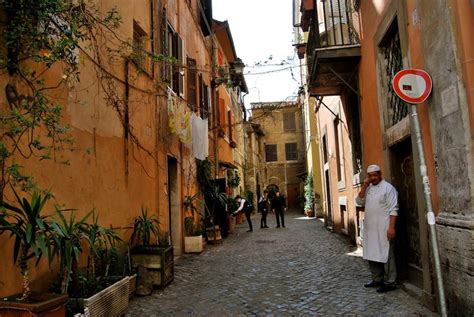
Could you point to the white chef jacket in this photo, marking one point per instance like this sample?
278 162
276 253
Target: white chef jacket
381 202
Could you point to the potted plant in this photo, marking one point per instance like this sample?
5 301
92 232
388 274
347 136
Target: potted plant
193 239
151 250
309 196
90 291
213 197
30 228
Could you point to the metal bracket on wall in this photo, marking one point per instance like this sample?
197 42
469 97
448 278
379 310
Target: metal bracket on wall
345 82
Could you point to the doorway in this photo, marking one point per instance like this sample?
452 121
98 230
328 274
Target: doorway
408 250
293 192
175 228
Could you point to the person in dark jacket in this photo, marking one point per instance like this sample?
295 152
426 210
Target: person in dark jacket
244 207
264 205
279 207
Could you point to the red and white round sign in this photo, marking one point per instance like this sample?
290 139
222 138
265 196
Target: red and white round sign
412 85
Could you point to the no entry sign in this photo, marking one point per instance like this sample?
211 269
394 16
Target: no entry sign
412 85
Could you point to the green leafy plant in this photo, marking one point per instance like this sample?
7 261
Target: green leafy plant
189 203
309 194
100 240
67 238
29 226
191 228
146 230
233 179
213 198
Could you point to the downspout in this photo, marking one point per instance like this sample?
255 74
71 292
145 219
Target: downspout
126 119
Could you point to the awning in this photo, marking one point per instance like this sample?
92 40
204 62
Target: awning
227 164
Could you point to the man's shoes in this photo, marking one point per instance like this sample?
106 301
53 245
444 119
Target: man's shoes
261 227
283 226
266 227
250 230
386 288
373 284
277 227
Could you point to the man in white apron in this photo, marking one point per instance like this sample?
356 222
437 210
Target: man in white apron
380 199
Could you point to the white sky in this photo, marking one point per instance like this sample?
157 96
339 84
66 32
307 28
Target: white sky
260 29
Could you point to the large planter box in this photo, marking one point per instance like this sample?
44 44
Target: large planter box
47 305
159 262
111 301
231 224
132 285
214 235
193 244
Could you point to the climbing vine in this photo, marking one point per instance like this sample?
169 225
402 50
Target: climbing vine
44 40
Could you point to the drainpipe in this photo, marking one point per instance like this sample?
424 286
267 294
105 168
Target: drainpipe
429 215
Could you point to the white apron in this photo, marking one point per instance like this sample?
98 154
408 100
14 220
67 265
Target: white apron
380 203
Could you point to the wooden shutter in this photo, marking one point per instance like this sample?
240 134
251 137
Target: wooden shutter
191 88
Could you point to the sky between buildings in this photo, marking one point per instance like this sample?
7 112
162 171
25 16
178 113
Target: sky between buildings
263 36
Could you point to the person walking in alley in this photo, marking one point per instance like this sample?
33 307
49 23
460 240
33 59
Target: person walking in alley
279 207
244 206
380 199
264 205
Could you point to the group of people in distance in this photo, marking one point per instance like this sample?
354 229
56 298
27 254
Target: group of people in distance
277 205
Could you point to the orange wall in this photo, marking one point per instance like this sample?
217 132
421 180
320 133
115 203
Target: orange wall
96 177
372 14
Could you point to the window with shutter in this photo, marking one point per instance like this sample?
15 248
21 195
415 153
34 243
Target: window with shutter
229 122
271 152
291 151
289 123
191 84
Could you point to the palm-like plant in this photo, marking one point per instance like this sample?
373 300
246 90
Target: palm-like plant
30 228
99 238
213 197
145 228
67 236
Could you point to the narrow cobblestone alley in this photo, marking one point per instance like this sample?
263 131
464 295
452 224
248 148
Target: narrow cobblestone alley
299 270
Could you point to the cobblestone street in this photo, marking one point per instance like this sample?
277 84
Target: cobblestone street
299 270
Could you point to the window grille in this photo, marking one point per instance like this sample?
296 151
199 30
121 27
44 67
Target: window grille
271 152
393 62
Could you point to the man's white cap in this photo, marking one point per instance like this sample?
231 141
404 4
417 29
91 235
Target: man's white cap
373 168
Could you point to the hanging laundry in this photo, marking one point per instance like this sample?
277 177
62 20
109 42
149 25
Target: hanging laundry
185 128
200 140
172 111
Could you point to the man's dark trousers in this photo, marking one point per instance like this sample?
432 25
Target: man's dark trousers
247 215
263 221
280 213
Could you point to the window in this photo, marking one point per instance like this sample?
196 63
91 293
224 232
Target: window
325 149
289 123
343 214
271 152
392 62
229 122
338 149
291 151
139 56
203 98
191 91
172 73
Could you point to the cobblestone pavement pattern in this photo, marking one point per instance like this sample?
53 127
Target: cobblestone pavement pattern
302 269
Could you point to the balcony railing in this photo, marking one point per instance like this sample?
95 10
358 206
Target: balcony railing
333 24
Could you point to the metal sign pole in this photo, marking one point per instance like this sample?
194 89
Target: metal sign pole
429 215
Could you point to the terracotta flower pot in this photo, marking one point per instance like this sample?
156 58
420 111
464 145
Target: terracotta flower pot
39 304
